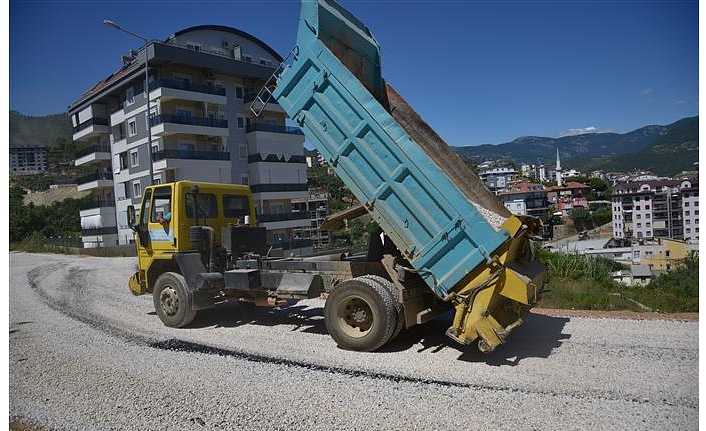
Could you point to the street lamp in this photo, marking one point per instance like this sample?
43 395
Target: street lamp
112 24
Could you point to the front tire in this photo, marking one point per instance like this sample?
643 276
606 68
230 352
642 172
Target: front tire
360 315
173 300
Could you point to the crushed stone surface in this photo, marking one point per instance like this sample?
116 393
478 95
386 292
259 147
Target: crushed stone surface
85 354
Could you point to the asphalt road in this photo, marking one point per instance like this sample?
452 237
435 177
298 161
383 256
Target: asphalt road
85 354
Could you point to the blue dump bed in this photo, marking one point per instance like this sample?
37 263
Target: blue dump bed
334 91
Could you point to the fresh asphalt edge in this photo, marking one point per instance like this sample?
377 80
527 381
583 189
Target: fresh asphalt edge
177 345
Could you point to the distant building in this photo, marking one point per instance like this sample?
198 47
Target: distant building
497 178
569 196
525 198
663 208
28 160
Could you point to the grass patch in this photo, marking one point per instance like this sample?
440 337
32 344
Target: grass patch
586 283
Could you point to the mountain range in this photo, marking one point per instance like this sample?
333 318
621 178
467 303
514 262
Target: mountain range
27 131
664 150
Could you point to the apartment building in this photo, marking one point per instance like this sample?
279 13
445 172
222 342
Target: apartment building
663 208
193 122
28 160
497 178
525 198
569 196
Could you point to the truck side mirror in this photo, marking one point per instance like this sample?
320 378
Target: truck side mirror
131 216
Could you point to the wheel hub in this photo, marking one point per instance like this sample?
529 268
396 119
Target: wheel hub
356 316
169 300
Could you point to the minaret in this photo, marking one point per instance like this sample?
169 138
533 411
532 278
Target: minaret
558 168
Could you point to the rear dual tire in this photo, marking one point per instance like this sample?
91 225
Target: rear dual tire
360 314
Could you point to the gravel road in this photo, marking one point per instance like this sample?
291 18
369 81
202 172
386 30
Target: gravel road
85 354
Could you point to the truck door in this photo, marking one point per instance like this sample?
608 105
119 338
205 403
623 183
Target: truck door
161 223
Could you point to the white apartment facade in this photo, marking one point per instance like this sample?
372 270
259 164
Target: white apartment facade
663 209
201 82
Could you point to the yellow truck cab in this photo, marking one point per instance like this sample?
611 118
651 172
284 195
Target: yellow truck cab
164 224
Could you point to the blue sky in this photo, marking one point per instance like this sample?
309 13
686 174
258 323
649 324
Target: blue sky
477 71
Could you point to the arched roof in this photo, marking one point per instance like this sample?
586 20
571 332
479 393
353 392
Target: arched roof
232 30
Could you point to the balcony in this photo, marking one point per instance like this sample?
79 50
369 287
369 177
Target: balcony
273 128
92 127
271 105
97 203
97 180
92 154
168 124
274 188
192 155
168 89
213 166
273 158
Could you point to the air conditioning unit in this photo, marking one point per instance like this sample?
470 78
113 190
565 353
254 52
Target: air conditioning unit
225 44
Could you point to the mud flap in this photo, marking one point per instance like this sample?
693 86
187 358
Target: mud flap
136 285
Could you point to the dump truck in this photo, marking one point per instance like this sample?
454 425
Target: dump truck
445 242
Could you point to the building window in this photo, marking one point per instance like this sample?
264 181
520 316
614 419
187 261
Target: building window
647 207
647 224
686 213
241 122
134 159
686 204
637 207
130 96
131 127
244 179
136 189
243 151
238 92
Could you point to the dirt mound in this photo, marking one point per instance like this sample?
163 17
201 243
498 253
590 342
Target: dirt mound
56 193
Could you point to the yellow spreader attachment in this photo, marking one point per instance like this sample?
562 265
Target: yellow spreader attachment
491 301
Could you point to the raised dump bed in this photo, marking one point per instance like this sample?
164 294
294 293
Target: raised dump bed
442 234
446 223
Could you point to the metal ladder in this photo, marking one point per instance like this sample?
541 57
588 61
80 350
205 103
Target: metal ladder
265 94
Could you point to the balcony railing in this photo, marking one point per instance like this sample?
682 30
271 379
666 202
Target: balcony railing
193 121
193 155
178 84
97 203
95 177
96 121
92 149
99 231
272 128
268 188
265 218
249 97
117 108
254 158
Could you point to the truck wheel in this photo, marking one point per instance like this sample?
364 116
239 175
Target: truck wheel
173 300
360 315
399 308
